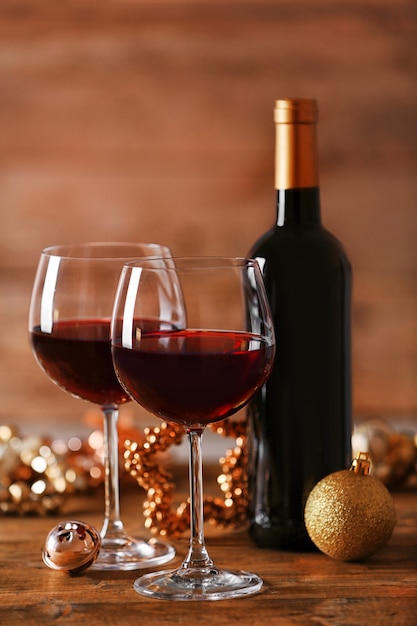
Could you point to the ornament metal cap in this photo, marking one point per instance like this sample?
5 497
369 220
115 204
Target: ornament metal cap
362 464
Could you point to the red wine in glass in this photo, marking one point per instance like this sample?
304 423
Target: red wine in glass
193 366
76 355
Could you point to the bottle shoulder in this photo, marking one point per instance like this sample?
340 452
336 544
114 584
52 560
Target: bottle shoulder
316 245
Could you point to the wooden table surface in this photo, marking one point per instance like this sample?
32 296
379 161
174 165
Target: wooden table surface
303 589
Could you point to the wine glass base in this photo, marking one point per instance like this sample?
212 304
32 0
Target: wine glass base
196 584
130 554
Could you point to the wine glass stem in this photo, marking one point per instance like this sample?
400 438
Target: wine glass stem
112 526
197 556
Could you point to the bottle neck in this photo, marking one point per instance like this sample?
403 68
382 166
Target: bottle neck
298 207
296 170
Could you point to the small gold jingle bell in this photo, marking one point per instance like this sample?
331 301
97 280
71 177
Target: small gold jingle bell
71 546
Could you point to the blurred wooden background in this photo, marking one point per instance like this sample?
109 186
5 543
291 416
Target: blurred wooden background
152 120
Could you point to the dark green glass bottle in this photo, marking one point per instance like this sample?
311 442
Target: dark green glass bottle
299 423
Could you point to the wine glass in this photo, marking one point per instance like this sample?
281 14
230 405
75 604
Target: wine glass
69 327
192 341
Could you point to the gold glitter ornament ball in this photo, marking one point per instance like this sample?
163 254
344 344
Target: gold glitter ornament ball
350 514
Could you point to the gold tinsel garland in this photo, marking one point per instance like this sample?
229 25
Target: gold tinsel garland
160 515
38 474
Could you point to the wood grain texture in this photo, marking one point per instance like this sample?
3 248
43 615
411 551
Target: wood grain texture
305 589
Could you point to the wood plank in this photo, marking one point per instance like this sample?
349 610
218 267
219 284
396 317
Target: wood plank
299 589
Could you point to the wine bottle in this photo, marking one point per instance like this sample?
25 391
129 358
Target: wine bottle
299 423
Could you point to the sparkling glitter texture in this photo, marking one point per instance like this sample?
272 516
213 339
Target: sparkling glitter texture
350 514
